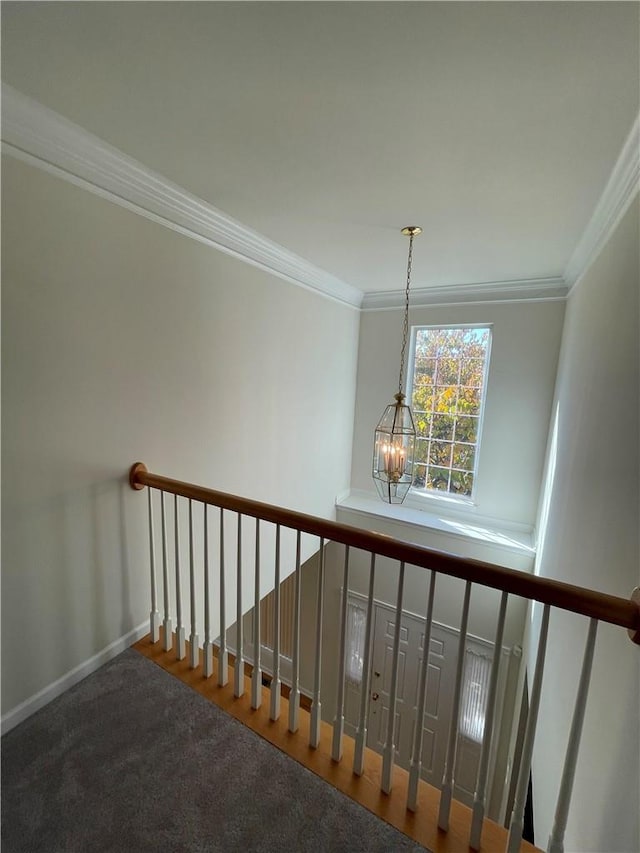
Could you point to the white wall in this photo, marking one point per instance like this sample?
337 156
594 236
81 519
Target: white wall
591 515
122 341
524 356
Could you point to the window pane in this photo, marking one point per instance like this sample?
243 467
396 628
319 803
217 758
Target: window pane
446 398
469 401
438 478
422 398
466 429
356 628
443 426
448 370
461 483
422 423
477 670
464 456
440 453
471 372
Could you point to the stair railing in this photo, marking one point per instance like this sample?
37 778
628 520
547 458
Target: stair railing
596 606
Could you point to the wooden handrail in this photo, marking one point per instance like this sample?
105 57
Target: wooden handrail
588 602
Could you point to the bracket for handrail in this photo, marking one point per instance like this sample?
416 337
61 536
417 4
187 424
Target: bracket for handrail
137 468
634 633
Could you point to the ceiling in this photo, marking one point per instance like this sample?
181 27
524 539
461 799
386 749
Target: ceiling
328 126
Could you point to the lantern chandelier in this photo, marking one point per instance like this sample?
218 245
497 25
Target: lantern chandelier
395 436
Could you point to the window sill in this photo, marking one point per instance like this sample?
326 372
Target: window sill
515 538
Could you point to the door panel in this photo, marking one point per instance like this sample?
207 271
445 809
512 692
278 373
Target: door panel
384 630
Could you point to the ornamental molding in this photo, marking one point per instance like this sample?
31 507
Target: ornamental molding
521 290
619 192
40 136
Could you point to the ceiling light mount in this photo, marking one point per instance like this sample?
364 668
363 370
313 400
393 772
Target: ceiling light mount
411 230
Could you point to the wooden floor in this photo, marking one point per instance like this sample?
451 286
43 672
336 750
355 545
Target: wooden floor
421 826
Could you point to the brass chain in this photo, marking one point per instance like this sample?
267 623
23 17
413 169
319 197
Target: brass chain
405 330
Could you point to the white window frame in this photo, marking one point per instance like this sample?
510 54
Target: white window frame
421 494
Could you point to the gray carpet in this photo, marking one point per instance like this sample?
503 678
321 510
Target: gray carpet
133 760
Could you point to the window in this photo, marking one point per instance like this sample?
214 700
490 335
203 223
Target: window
448 380
356 630
477 670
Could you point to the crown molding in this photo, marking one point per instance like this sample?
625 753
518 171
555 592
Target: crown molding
619 192
43 138
38 135
522 290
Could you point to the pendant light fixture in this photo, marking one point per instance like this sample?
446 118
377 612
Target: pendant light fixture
395 436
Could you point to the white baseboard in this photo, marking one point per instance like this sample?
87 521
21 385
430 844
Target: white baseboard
25 709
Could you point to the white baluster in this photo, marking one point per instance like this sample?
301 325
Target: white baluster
447 781
166 625
389 753
238 670
316 707
223 655
517 817
207 653
154 616
361 732
256 675
338 724
487 732
556 839
181 648
276 685
294 695
415 771
194 642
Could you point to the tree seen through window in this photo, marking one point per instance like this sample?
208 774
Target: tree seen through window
446 398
